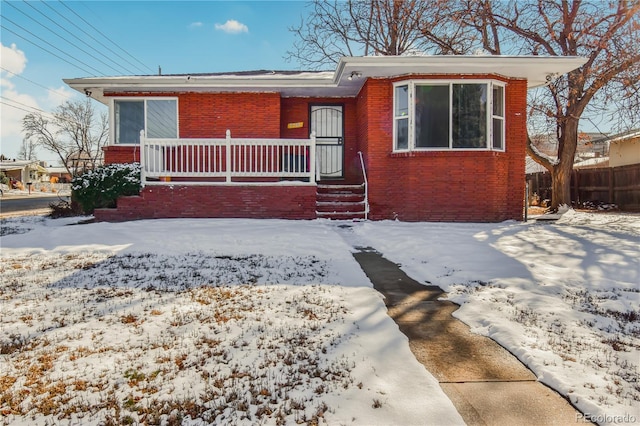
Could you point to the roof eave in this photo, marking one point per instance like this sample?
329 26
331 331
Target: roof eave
346 80
537 70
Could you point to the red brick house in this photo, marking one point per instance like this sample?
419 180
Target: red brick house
425 138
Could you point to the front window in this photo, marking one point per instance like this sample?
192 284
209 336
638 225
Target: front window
159 117
448 115
129 117
498 117
431 116
401 117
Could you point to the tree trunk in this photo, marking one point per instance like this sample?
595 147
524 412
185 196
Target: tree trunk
560 187
561 173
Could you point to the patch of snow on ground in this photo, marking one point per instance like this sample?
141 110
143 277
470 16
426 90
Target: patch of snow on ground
199 322
563 297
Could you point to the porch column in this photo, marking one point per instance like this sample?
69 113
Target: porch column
228 155
143 159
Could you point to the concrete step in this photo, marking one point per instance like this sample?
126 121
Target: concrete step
357 215
351 206
340 189
340 202
330 197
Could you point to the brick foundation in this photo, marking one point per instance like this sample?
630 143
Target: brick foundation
215 201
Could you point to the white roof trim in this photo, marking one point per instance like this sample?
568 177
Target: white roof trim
537 70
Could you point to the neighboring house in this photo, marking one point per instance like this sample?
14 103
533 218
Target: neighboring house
624 148
592 151
59 175
440 138
23 171
81 161
592 163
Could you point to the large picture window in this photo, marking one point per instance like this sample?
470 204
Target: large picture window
448 115
158 117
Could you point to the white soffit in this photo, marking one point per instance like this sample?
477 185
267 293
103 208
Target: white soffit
346 81
537 70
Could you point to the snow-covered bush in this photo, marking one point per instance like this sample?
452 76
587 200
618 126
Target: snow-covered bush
101 187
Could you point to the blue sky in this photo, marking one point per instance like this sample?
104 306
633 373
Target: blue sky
179 36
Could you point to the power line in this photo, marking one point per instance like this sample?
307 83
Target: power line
48 51
93 38
72 43
94 71
25 105
13 106
103 35
55 116
33 82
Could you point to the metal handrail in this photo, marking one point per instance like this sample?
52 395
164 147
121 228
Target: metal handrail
366 187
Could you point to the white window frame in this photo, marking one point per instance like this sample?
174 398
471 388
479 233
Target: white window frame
450 83
112 114
498 117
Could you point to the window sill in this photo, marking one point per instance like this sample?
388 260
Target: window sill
448 153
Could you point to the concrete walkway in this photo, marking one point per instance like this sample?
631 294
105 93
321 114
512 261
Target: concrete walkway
486 383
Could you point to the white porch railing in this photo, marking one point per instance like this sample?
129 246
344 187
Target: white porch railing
228 159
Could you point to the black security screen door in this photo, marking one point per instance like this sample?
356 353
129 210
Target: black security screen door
326 121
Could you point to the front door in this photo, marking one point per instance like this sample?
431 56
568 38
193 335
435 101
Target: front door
326 121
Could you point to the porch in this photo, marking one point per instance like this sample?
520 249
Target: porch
238 178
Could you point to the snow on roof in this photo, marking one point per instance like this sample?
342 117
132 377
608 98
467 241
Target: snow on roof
532 167
592 162
15 164
58 169
619 136
255 73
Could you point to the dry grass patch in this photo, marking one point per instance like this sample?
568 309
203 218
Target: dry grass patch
83 351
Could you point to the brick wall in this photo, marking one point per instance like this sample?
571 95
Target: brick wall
209 115
442 185
121 154
219 201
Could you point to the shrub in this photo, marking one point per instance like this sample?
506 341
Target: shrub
62 208
101 187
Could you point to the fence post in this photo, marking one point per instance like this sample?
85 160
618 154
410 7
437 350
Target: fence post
228 155
526 201
612 193
312 158
143 162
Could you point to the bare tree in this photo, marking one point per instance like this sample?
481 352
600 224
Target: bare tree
357 27
75 134
27 150
607 34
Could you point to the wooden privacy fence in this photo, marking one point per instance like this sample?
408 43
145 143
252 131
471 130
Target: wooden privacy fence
612 185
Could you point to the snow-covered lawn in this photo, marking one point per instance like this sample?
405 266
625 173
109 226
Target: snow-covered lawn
563 297
273 321
196 321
